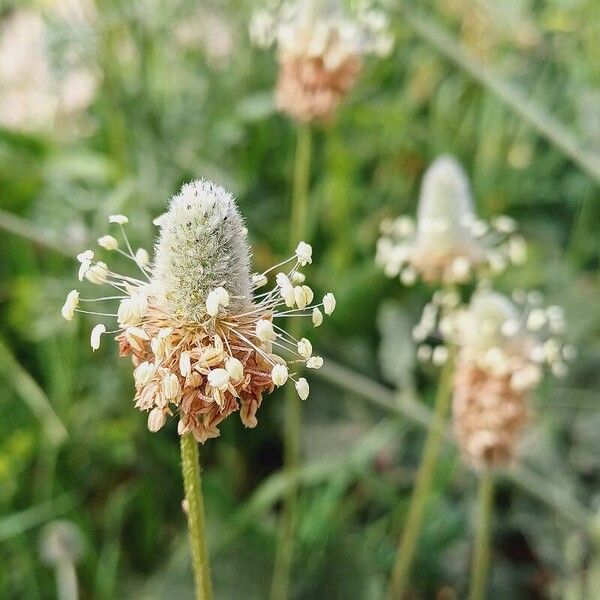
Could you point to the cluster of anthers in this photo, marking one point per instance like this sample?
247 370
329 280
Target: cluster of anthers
203 342
501 348
320 51
448 243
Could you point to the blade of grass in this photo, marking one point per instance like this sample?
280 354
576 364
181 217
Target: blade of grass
34 396
536 116
25 229
20 522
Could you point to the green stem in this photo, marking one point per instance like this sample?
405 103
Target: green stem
299 212
481 550
190 467
412 526
287 525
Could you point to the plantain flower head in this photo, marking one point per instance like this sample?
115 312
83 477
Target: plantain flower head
503 348
203 342
448 243
202 245
320 50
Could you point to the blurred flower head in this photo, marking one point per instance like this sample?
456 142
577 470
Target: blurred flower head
33 95
448 243
319 48
502 350
203 343
61 541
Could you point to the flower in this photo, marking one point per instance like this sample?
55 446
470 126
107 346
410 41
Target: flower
320 50
95 336
35 96
202 343
500 361
108 242
304 253
302 388
71 303
449 243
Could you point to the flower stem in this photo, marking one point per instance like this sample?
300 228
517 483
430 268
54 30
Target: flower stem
481 550
190 467
287 524
414 519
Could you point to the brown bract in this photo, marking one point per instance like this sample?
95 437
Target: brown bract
307 90
190 352
489 415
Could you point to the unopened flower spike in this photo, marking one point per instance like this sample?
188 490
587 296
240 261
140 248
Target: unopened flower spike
203 344
320 48
448 243
503 349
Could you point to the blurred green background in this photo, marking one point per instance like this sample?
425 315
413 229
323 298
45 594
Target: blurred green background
108 107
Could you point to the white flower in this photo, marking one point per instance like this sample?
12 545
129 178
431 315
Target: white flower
305 348
86 256
215 299
142 258
156 420
317 317
303 296
304 253
315 362
95 336
132 309
219 379
118 219
235 369
264 331
170 388
279 374
185 363
259 280
97 274
143 373
302 388
536 320
328 303
298 278
223 295
71 303
439 356
526 378
108 242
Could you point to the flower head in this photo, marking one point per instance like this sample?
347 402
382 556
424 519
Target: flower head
319 49
500 360
448 243
202 342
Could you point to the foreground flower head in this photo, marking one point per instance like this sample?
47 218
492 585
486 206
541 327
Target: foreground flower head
203 343
448 243
503 349
320 49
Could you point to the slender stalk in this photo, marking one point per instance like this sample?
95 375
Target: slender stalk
287 525
299 212
481 549
190 467
67 587
412 527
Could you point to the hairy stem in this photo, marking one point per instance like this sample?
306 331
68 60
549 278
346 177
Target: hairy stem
287 525
414 520
190 466
481 549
